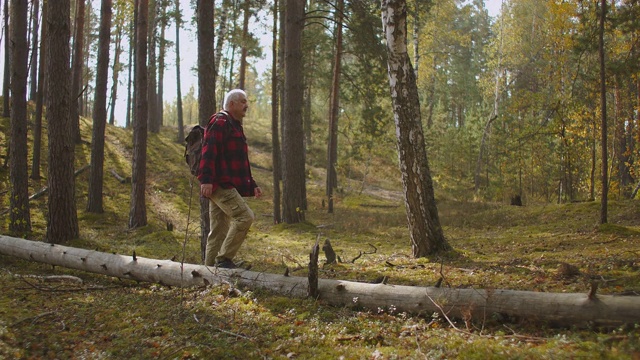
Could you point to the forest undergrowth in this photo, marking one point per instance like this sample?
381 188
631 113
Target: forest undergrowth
56 313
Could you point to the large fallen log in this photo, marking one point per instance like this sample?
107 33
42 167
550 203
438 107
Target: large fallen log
478 304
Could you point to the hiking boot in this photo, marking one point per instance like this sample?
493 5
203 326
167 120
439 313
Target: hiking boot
226 264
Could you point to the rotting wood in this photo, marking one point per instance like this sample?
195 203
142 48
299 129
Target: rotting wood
379 206
121 179
557 308
313 269
45 189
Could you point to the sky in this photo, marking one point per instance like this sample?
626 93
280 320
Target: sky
188 57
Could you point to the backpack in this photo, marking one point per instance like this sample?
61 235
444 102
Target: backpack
193 148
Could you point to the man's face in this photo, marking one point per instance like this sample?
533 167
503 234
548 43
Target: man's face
238 108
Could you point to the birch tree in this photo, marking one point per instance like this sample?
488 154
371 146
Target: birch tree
425 231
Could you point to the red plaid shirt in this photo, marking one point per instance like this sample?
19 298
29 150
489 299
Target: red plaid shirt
225 156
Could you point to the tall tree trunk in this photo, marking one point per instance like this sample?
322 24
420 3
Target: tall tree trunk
37 121
152 70
222 32
603 117
206 92
637 119
138 209
20 219
77 65
334 110
245 40
623 147
130 82
117 66
62 221
275 134
308 97
83 98
161 68
426 233
34 50
7 66
94 203
594 150
233 48
293 159
281 76
416 38
494 114
178 20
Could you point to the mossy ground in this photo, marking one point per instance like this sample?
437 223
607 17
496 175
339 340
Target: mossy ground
496 246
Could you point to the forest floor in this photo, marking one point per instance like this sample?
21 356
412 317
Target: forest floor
90 316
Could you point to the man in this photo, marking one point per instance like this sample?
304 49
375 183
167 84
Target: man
225 177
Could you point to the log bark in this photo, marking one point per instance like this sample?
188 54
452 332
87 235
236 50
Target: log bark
122 179
558 308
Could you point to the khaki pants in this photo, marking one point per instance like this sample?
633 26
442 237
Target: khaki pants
230 219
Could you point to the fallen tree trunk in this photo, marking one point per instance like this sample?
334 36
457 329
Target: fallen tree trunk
477 304
45 189
122 179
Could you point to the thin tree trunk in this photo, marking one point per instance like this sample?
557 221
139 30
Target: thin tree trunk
161 68
152 98
426 233
178 86
34 50
592 185
416 39
20 219
334 109
623 147
307 107
116 71
94 203
233 48
77 67
62 221
222 32
132 49
603 118
37 127
494 115
83 98
637 111
138 210
281 44
275 135
7 67
244 50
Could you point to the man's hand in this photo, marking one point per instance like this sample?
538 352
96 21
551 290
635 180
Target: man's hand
206 190
258 192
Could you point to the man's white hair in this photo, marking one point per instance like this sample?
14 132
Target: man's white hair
233 95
